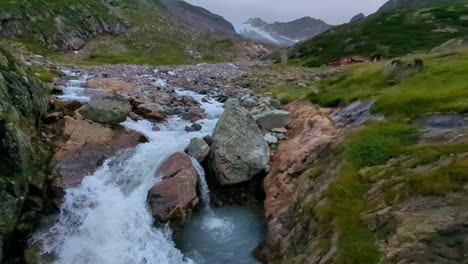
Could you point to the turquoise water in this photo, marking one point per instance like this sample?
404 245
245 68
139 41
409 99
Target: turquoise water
228 236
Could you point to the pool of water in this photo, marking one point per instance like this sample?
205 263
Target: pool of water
228 236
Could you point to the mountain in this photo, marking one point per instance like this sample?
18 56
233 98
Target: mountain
387 34
283 34
121 31
398 4
357 18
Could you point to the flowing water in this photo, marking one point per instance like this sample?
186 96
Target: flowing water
106 220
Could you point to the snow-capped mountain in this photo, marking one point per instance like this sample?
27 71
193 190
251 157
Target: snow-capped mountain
283 34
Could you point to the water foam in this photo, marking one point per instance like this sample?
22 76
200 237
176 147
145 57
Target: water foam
106 220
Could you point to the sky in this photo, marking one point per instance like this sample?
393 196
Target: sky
331 11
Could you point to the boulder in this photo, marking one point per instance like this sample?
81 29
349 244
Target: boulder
88 145
152 111
239 151
273 119
198 148
109 109
174 197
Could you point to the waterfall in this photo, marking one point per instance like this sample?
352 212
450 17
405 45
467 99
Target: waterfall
204 188
106 219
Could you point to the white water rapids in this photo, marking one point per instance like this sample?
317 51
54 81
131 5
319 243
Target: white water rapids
106 220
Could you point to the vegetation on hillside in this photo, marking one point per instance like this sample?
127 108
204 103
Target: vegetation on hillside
386 34
392 155
123 31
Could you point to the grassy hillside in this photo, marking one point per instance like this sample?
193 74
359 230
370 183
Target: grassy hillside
384 166
398 4
108 32
387 34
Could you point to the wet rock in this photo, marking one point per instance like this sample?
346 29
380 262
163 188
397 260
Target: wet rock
273 119
152 111
134 117
208 139
194 127
174 197
106 109
67 107
87 147
193 115
239 151
53 117
356 114
198 149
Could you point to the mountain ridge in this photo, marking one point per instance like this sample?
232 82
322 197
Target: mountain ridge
283 34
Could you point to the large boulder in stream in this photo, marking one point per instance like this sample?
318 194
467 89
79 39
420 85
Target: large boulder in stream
109 109
239 150
176 194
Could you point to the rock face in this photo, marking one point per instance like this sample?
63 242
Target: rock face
23 155
174 197
107 109
239 151
88 146
357 18
309 137
273 119
199 18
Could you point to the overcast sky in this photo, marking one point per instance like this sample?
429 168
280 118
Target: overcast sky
331 11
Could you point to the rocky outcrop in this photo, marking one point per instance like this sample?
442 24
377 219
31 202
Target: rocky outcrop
310 137
109 109
87 147
175 195
239 151
357 18
23 154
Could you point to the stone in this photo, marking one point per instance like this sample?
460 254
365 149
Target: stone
109 85
87 146
106 109
239 151
193 114
273 119
208 139
356 114
198 149
270 138
173 198
152 111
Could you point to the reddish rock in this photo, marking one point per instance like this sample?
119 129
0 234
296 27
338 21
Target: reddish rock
109 85
174 197
67 107
311 133
87 147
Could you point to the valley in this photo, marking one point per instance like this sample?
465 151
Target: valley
154 131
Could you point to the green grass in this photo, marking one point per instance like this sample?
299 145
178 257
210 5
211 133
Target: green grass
45 75
373 145
440 88
388 34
